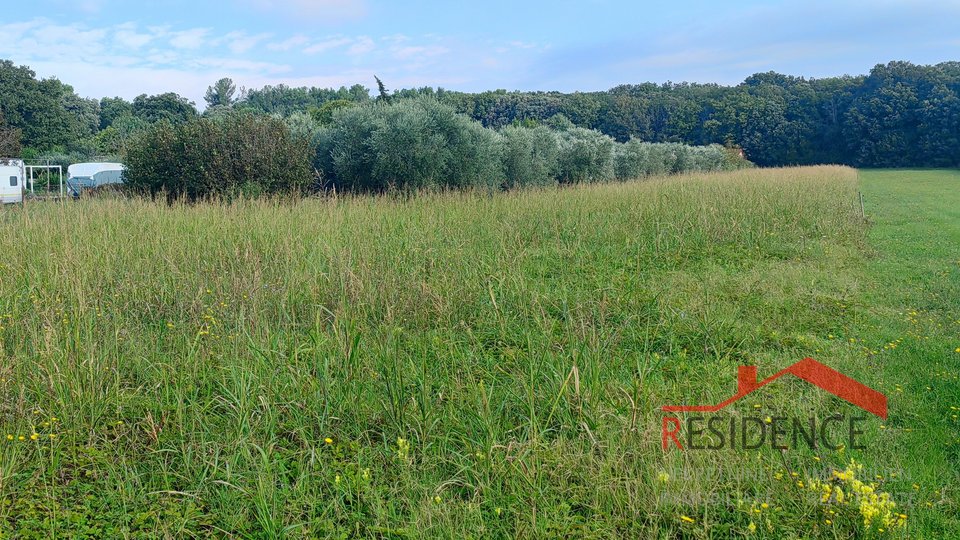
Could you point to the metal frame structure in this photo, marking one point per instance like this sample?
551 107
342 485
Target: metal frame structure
59 170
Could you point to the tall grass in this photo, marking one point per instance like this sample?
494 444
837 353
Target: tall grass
451 365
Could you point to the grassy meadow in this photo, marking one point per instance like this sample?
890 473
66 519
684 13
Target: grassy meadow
472 365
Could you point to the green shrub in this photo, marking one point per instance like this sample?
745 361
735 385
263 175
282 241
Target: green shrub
302 125
529 157
412 144
344 156
114 138
585 155
228 155
636 159
323 114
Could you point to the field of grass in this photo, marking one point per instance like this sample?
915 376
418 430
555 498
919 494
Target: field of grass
466 365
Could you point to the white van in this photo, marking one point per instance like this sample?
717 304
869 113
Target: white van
13 179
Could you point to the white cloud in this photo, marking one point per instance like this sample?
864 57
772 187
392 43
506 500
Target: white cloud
404 53
157 56
127 36
396 38
361 46
46 39
189 39
290 43
326 45
319 10
523 45
15 30
129 59
91 6
234 65
241 42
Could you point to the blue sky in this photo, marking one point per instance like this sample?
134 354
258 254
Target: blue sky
125 48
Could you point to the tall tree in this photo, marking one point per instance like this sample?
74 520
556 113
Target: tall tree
382 90
221 94
113 108
39 108
170 107
9 140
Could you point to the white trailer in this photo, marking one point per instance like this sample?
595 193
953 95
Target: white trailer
92 175
12 181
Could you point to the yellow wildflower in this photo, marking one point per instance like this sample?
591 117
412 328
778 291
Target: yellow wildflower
403 448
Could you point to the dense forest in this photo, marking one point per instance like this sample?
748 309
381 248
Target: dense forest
900 115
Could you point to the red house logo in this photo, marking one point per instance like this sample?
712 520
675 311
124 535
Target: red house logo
809 370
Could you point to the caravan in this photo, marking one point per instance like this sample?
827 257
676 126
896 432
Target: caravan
12 181
87 176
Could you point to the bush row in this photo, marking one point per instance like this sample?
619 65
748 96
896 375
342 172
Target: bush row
420 143
412 144
228 155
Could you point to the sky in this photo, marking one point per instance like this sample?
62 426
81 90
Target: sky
126 48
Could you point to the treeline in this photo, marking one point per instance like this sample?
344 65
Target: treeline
383 146
899 115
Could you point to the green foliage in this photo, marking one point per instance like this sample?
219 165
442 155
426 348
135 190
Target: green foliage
47 112
323 114
114 139
900 115
57 156
113 108
382 93
529 156
168 107
585 156
302 125
906 115
413 144
284 100
559 122
221 94
636 159
10 145
85 111
417 143
235 154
